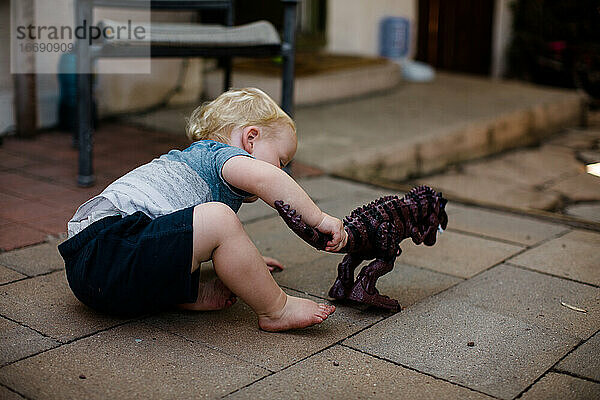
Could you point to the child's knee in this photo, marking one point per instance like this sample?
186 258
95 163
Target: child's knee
217 215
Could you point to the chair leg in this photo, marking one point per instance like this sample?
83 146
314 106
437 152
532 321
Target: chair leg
85 176
226 62
287 85
288 54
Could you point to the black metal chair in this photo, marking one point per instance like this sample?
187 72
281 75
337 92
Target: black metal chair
180 40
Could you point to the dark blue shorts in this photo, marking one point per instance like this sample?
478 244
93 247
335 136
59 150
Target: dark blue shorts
133 265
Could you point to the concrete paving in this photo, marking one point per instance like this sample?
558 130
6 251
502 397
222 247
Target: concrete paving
584 361
574 256
506 305
341 372
488 313
433 337
549 177
559 386
131 361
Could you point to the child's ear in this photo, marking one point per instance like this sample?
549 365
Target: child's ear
250 135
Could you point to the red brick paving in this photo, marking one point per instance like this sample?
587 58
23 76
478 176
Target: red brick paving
22 210
52 224
14 236
38 190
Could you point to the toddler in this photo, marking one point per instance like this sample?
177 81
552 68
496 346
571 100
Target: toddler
138 245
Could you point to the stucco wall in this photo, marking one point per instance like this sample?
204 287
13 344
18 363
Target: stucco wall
353 25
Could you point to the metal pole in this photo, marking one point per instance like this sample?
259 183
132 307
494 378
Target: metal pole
288 55
85 176
228 61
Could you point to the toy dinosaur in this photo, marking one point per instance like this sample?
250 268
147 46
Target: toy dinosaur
374 233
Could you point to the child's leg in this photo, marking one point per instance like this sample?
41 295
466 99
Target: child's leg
212 295
218 234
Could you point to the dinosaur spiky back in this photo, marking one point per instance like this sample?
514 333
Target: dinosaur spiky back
410 212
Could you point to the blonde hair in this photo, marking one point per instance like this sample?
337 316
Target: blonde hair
236 108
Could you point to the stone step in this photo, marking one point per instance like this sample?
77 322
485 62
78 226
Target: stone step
315 87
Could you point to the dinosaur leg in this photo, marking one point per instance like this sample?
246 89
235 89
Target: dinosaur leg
345 279
364 289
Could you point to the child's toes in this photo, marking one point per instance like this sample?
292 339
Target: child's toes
327 308
322 313
317 319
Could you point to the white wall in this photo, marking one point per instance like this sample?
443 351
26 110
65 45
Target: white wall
353 25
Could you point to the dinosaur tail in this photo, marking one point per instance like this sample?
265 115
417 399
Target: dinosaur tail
307 233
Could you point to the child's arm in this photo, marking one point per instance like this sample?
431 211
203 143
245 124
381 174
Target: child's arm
271 183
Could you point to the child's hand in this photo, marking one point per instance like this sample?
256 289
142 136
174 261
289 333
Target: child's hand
273 265
334 227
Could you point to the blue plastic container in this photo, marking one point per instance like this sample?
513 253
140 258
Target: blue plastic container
394 37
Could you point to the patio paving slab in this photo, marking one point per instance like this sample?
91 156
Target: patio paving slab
509 227
420 127
322 190
313 277
255 211
273 238
18 209
46 304
343 205
435 337
55 224
18 341
578 138
529 167
235 332
7 275
482 189
12 161
405 283
533 298
36 188
15 235
340 372
457 254
582 187
574 256
8 394
131 361
588 212
34 260
584 360
559 386
327 188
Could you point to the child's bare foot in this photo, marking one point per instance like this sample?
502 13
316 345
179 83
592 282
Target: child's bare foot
296 313
212 295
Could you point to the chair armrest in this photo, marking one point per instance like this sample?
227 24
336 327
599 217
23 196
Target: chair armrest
166 4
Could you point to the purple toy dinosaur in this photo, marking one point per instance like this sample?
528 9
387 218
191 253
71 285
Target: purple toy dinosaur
375 232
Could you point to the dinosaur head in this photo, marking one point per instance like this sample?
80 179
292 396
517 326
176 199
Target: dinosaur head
437 221
434 219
